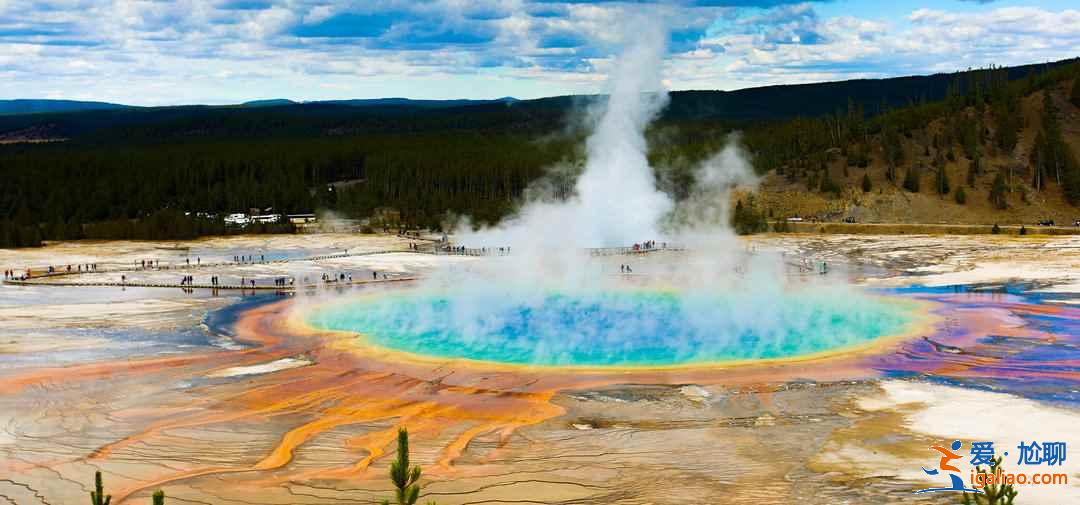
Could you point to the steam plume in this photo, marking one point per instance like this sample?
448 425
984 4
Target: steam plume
615 200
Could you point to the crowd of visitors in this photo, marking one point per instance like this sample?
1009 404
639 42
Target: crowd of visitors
249 259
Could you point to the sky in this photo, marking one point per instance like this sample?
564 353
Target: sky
229 51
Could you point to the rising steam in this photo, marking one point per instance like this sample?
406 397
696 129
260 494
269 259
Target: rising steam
616 201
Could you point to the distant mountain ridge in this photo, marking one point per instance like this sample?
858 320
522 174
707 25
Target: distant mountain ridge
367 102
271 102
764 102
73 120
36 106
44 105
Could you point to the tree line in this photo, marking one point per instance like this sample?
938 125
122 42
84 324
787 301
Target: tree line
175 180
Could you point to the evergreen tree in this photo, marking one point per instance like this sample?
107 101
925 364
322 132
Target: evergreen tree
1071 179
98 496
406 479
827 184
1040 153
997 192
960 195
970 137
893 151
911 180
866 186
943 180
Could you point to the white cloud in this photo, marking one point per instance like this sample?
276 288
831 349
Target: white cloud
191 50
851 47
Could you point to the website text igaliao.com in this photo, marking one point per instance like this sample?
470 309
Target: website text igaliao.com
978 480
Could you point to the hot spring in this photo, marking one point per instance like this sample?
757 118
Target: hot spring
616 328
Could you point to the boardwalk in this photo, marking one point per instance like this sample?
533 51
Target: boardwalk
631 251
61 270
41 276
591 251
257 287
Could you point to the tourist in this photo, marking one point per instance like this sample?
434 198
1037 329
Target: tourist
374 275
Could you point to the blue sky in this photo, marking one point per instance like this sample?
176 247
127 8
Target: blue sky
226 51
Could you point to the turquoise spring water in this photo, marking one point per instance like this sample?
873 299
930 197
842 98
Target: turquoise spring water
620 328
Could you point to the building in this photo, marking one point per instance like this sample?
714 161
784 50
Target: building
266 218
301 218
237 219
